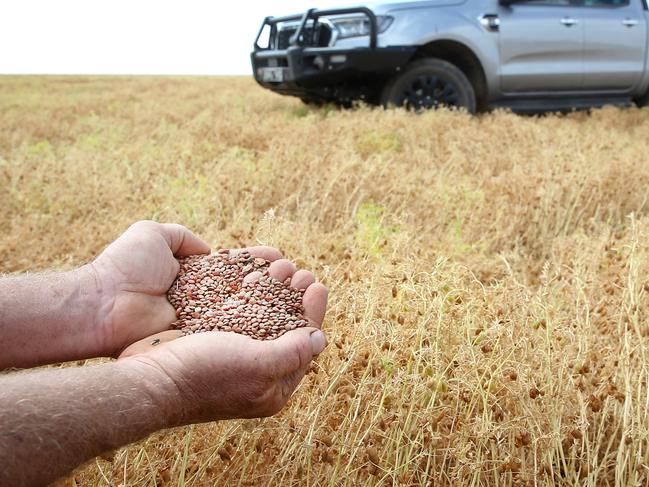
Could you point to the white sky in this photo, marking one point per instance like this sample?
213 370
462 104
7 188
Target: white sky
135 36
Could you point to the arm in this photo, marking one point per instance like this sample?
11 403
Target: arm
45 318
53 420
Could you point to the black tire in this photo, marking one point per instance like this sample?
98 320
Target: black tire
429 84
312 102
642 101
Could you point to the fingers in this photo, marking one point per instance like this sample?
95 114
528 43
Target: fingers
150 342
296 369
252 277
294 350
315 294
315 303
271 254
281 269
183 242
302 279
318 341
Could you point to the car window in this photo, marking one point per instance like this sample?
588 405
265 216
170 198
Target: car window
561 3
606 3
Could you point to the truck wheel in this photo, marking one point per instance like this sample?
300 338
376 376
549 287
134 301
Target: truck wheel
429 84
314 102
642 101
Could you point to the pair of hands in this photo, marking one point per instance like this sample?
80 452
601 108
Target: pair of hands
210 376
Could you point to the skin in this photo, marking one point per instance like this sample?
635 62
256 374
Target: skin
53 420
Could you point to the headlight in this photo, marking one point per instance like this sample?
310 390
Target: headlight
360 26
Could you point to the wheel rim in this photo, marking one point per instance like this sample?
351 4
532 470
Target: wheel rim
426 92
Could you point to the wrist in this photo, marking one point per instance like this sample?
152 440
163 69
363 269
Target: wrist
94 304
158 388
101 295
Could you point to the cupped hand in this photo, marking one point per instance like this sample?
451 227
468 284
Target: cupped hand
133 275
223 375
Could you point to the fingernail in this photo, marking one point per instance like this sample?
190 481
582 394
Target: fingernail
318 342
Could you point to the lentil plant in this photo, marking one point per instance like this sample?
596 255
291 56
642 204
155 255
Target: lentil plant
489 276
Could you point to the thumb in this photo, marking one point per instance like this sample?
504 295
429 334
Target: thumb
295 349
182 241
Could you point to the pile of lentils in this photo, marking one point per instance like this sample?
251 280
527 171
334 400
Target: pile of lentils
209 294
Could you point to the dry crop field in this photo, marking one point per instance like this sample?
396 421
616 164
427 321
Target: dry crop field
489 276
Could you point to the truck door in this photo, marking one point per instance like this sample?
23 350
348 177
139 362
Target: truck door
615 36
541 45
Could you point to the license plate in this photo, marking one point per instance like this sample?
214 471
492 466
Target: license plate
272 75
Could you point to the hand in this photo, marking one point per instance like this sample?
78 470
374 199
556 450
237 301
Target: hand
219 375
133 275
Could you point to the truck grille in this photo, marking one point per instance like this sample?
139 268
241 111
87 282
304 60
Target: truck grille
318 38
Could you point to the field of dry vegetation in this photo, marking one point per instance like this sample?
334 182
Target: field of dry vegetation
489 276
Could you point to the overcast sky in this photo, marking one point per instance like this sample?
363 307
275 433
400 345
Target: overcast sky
135 36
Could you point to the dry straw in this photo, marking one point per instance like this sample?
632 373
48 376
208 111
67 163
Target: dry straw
489 276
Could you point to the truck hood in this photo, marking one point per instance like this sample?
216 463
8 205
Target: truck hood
380 8
383 7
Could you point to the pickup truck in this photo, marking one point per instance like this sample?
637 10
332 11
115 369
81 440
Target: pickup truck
526 55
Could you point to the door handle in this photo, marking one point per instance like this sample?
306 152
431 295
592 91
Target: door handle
630 22
568 21
490 22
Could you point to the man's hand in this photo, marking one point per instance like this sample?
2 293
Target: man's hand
99 308
219 375
133 275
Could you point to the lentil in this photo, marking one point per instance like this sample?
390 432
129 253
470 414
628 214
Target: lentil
209 294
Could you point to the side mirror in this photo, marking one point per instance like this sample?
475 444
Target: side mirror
506 3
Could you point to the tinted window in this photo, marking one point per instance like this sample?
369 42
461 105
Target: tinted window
605 3
564 3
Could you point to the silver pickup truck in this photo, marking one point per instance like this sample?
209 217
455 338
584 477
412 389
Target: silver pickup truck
527 55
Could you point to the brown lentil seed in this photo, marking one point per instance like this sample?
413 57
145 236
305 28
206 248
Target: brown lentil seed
209 294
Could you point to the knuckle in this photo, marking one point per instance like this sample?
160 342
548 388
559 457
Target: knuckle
144 225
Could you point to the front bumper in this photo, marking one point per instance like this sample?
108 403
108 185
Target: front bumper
327 73
303 69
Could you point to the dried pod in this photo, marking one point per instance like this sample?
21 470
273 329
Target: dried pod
372 455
